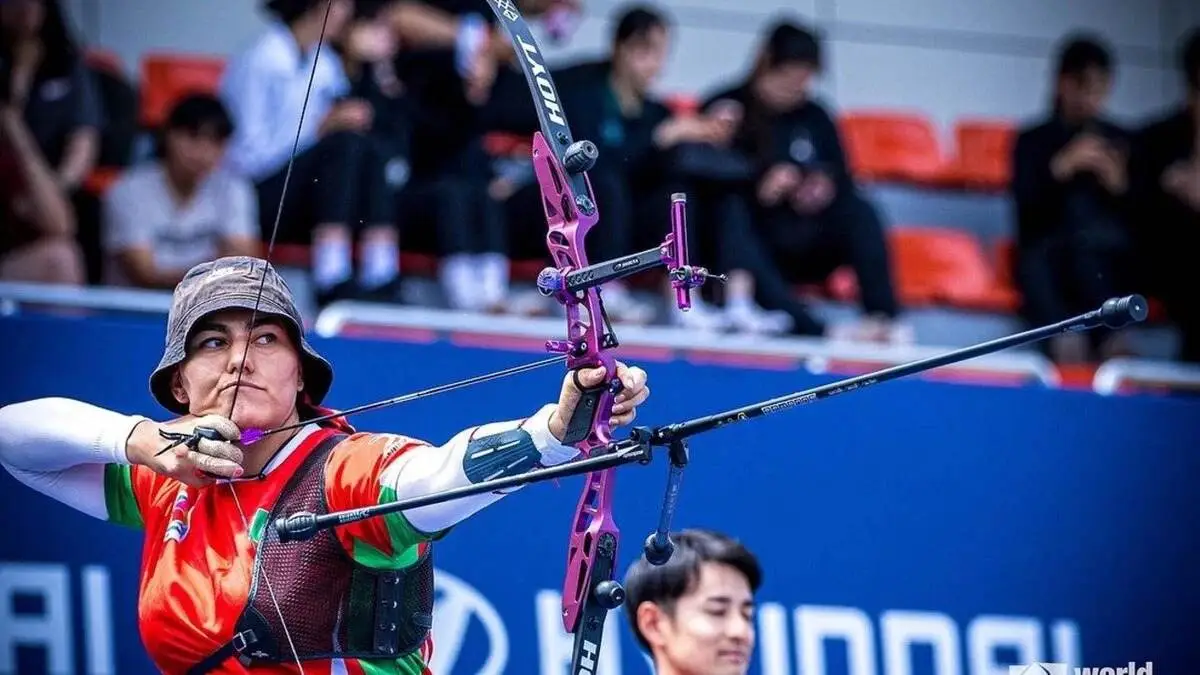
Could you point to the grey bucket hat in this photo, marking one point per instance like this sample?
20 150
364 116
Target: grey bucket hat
229 283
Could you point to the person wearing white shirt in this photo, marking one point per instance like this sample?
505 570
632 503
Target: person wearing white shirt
337 190
181 209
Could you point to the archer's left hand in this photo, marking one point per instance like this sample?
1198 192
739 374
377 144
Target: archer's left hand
625 404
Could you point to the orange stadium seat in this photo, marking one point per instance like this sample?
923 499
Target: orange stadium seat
984 153
930 266
504 144
940 265
168 77
892 146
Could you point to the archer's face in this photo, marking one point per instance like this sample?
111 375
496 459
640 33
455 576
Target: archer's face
267 393
710 631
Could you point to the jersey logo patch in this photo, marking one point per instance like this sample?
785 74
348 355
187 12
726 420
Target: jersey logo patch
181 517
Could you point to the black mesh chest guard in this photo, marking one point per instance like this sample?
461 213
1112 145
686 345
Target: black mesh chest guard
333 606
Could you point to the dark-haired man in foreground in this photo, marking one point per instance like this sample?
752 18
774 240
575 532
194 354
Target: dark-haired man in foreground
695 614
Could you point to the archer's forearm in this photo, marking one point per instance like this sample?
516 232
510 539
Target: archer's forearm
59 447
472 456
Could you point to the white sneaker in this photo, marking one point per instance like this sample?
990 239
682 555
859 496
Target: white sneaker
748 317
701 317
622 307
457 278
529 302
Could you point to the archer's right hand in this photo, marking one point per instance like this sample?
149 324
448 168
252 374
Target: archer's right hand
198 466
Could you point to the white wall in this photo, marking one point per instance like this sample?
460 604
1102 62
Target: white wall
948 58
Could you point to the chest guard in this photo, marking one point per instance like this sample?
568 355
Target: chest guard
333 606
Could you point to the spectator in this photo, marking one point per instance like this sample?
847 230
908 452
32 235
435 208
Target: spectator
47 80
695 614
609 103
808 215
1069 182
336 189
446 205
37 226
1165 179
179 210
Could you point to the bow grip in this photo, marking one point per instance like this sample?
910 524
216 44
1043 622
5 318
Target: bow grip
590 419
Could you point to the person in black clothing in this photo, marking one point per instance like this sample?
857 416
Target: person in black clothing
802 215
1165 186
446 208
1069 183
332 197
49 82
609 103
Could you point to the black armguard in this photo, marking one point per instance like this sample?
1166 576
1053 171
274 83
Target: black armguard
504 454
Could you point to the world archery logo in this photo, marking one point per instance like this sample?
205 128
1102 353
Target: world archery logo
181 515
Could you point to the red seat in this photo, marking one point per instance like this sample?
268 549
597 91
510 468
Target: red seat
503 144
983 158
892 146
166 78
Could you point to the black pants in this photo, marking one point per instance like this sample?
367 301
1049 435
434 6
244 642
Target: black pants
781 249
340 180
632 218
1086 261
448 215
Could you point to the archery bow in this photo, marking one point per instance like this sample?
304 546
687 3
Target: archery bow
561 164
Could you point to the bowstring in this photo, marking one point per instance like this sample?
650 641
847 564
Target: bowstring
312 76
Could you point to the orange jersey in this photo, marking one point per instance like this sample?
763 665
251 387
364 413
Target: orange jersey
198 554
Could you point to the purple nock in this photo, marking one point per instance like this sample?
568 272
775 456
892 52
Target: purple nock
252 436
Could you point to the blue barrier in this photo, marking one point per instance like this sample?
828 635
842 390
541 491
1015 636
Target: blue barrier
1014 524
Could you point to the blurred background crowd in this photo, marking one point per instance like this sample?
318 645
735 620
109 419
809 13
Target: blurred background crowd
413 164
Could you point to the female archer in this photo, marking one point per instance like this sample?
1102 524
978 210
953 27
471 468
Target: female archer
218 591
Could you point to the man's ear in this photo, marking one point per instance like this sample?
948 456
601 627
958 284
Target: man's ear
654 624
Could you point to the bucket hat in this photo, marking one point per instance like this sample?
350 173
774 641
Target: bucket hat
233 283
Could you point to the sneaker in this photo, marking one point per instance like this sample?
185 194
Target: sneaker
622 307
750 318
701 317
529 302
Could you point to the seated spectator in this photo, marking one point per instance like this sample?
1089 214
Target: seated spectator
1165 180
803 216
46 79
1069 182
446 208
609 103
336 189
168 214
37 226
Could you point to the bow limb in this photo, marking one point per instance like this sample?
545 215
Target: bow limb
561 165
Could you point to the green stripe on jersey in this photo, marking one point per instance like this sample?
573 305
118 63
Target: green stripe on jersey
412 664
118 496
